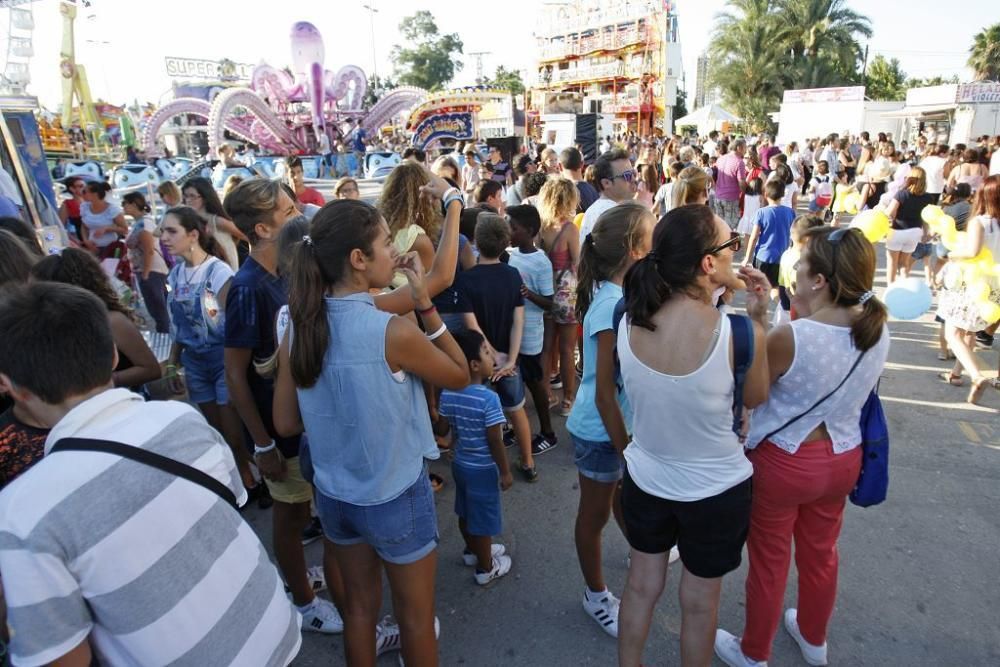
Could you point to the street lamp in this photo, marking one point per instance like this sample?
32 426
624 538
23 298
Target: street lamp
371 20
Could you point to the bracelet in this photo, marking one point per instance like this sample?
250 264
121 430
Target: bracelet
448 199
427 311
437 334
450 192
258 450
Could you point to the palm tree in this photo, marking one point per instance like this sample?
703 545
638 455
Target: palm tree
984 56
822 36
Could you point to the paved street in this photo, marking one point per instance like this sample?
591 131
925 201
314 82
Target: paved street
918 583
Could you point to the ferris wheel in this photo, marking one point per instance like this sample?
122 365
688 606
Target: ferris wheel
16 75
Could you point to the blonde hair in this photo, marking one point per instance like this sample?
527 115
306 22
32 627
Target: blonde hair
916 181
402 204
231 182
345 180
690 186
557 201
169 189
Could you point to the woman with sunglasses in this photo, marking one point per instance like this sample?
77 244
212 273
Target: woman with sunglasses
804 443
687 481
69 210
202 197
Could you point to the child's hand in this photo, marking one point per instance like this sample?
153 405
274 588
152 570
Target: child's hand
506 481
507 370
525 292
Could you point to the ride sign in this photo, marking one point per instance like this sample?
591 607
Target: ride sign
440 126
197 68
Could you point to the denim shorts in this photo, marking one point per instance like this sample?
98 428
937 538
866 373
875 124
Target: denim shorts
477 499
598 461
923 250
401 531
205 376
511 391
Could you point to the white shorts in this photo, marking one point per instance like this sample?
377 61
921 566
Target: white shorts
904 240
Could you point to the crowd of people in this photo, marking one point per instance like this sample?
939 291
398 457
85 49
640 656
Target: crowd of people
604 291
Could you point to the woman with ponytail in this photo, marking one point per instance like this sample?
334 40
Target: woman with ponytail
601 417
686 479
691 187
805 441
103 221
146 257
372 489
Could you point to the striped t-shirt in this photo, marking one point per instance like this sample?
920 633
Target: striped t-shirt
471 411
153 568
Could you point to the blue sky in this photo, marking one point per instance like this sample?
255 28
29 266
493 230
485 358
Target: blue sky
123 42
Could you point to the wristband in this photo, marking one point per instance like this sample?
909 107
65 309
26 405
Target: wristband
258 450
437 334
451 195
427 311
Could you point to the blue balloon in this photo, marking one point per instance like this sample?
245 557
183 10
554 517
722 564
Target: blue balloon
908 298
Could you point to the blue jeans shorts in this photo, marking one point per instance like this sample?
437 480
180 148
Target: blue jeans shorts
598 461
205 376
401 531
477 499
923 250
511 391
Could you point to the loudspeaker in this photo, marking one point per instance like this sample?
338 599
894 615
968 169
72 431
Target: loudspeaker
586 136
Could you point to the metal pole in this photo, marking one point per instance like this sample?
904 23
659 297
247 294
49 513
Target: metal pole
371 22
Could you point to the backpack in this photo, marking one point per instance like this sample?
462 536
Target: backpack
743 350
873 482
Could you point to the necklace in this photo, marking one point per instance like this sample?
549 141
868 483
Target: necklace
189 277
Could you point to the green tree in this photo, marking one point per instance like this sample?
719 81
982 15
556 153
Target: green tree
932 81
822 36
984 56
428 59
885 79
680 106
506 79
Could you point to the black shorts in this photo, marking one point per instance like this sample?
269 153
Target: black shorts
530 366
709 533
768 269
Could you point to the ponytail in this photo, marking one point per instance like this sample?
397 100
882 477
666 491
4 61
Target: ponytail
645 291
137 200
866 331
305 306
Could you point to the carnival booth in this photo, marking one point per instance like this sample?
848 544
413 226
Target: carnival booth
451 115
707 118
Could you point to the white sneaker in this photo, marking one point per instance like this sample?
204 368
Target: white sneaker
814 655
387 637
437 635
322 616
604 612
495 550
727 647
675 555
501 566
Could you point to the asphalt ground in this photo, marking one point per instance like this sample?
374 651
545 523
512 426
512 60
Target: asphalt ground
918 574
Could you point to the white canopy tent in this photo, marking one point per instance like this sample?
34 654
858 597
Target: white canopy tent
707 118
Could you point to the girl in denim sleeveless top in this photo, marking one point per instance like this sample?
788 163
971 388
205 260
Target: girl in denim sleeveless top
373 494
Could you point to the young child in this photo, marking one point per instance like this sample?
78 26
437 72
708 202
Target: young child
771 234
786 269
492 292
821 189
536 273
480 468
753 201
663 201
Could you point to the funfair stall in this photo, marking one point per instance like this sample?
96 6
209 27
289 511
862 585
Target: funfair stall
953 113
817 112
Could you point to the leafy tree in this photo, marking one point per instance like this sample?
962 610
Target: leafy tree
932 81
984 56
680 107
506 79
377 86
885 80
428 59
823 38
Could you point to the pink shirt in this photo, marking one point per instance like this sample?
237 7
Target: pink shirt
731 172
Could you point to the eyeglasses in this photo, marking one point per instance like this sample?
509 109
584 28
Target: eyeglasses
627 176
191 196
733 242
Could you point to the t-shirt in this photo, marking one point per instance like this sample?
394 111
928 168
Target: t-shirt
311 196
663 201
588 195
786 268
731 171
196 320
933 167
960 212
500 171
995 162
153 568
536 272
471 411
99 224
584 420
255 296
135 254
359 140
593 213
910 207
492 292
450 300
710 147
775 223
21 446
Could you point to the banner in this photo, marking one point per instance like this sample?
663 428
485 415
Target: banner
841 94
197 68
978 92
440 126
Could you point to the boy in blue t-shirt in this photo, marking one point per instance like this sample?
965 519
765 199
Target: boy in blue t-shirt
480 468
772 228
536 272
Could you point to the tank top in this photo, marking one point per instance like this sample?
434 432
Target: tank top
369 430
560 259
823 355
683 446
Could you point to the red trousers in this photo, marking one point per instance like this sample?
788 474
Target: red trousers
799 495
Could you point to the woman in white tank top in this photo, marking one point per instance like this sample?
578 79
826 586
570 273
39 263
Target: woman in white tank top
687 481
807 459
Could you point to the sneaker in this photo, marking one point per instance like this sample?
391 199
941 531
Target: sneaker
555 382
543 443
603 611
261 494
501 566
317 579
509 439
387 637
675 555
312 532
530 474
322 616
727 647
814 655
470 559
984 340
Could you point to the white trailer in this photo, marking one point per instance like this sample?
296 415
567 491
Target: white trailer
817 112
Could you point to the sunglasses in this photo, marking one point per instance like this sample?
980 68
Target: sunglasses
733 242
627 176
835 238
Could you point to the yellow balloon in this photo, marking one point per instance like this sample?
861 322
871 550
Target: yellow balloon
873 224
953 240
989 311
931 213
839 202
979 290
852 202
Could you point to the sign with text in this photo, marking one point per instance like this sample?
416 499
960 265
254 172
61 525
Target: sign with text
978 92
443 126
839 94
197 68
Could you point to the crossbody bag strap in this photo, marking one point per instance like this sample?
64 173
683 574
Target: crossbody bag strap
151 459
817 403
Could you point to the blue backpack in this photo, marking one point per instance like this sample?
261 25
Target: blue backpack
873 482
742 357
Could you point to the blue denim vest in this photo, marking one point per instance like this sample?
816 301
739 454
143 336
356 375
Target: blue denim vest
196 317
369 432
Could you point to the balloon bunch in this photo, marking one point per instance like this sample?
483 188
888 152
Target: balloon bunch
902 173
981 273
873 223
848 200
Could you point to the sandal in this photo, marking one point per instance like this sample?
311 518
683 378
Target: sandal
946 356
977 389
951 378
437 482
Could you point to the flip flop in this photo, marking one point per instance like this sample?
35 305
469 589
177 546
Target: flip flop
437 482
977 389
953 380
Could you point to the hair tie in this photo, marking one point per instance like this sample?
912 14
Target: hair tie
653 257
865 297
307 240
589 239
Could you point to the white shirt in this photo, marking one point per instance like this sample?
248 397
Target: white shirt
995 162
593 213
711 148
933 165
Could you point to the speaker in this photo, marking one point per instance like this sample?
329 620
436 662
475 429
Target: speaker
586 136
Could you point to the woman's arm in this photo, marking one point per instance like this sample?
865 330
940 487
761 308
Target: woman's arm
119 225
130 342
63 213
440 362
573 244
148 253
287 418
780 351
606 398
892 209
466 257
973 243
228 226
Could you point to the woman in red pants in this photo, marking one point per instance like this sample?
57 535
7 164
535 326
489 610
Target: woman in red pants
804 444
